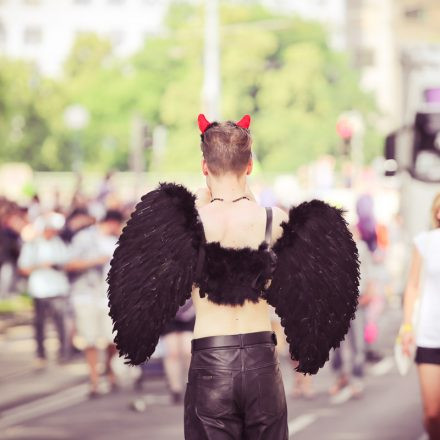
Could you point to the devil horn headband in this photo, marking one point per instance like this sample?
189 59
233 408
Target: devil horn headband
244 122
203 123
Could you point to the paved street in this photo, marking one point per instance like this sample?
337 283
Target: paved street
54 405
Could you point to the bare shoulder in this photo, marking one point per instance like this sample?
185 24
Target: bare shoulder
279 216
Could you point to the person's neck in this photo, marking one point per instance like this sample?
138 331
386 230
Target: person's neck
228 187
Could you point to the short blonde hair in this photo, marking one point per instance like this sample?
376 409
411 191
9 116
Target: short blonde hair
434 211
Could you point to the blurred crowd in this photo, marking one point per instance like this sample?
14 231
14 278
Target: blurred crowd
61 256
377 290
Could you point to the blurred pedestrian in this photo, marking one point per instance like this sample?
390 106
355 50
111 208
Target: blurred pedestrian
177 344
302 386
89 253
42 260
12 222
110 228
426 254
76 220
374 236
348 360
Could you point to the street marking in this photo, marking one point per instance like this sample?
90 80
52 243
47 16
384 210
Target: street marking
140 404
64 399
36 432
44 405
301 422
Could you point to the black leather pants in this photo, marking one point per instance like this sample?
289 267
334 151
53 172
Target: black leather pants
235 389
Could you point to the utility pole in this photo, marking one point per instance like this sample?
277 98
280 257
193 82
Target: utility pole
211 83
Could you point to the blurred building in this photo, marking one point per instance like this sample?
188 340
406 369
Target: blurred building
412 147
381 36
418 21
44 30
370 37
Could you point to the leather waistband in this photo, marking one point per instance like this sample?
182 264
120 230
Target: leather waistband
239 340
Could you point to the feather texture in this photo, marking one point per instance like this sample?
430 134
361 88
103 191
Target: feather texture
315 286
314 269
152 269
230 276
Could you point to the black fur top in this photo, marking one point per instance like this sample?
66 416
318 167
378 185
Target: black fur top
231 276
313 267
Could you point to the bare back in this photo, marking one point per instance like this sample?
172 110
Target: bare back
237 225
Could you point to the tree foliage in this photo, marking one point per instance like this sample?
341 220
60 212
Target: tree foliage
280 69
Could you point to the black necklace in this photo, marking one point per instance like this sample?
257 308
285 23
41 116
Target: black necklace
236 200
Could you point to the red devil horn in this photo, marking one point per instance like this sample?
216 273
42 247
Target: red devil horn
203 123
244 122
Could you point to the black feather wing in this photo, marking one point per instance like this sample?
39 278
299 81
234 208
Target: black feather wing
315 285
152 269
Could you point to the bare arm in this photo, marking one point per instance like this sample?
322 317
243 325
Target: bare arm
78 265
412 290
279 216
28 262
411 294
26 271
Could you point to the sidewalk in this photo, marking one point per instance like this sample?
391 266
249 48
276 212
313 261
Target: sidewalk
20 381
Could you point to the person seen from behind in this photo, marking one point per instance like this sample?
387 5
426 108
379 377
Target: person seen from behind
42 260
89 253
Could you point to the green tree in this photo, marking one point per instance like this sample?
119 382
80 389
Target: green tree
23 128
280 69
